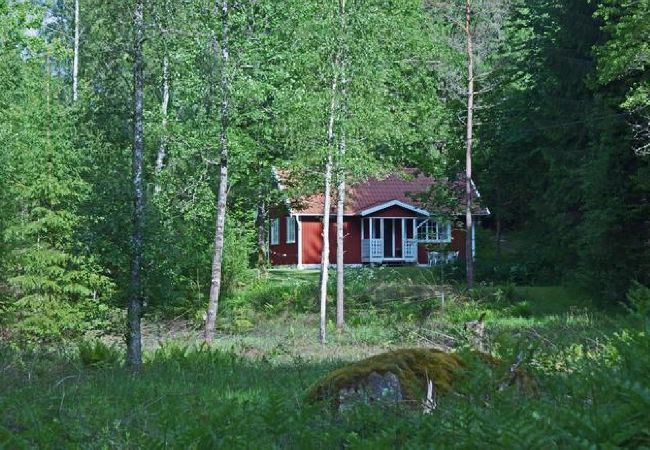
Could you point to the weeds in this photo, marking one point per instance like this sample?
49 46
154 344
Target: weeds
248 391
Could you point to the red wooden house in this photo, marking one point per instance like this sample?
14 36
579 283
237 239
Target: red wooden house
383 224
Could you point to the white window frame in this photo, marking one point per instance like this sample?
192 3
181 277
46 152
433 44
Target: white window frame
434 232
275 232
291 229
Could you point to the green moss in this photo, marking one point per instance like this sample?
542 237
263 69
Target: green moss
411 366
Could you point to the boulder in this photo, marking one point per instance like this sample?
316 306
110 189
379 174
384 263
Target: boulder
393 377
412 376
373 388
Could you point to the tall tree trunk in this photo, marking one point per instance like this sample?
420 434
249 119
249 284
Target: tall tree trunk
469 257
327 205
499 226
75 60
325 252
260 224
340 205
162 147
134 313
340 250
217 258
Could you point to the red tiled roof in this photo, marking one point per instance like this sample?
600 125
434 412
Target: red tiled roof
403 187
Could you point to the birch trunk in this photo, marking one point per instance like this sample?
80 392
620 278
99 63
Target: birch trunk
499 232
75 60
217 258
340 238
327 205
162 148
469 258
260 224
340 205
134 313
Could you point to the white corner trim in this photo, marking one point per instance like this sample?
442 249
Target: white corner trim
300 266
473 240
374 209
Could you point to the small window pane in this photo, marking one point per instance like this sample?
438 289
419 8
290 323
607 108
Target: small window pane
291 230
275 231
444 232
430 231
376 229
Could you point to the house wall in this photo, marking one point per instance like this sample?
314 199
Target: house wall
312 228
312 240
458 242
284 254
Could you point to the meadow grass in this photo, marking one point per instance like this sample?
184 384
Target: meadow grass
248 389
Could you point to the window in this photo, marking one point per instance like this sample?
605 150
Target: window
275 231
430 231
291 230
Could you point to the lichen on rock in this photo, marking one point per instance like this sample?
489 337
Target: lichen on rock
401 374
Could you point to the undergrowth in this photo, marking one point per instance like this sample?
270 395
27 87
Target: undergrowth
193 397
248 390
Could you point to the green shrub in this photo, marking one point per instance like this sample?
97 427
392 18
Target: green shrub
639 298
238 246
98 354
520 309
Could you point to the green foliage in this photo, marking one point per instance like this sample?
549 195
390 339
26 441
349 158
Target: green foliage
97 354
639 298
55 288
601 403
624 55
413 368
584 203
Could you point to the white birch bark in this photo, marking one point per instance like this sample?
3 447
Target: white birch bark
340 206
217 258
162 147
469 258
134 313
327 204
75 60
340 239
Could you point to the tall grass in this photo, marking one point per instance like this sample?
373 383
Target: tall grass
205 398
247 391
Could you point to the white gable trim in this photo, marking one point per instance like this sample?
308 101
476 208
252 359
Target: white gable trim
478 195
374 209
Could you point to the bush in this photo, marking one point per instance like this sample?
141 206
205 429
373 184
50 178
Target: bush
238 245
639 298
97 354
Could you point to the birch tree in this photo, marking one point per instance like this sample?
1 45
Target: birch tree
469 141
75 62
327 209
164 88
217 258
134 339
340 190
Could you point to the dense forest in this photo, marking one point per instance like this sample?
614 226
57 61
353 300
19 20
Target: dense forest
140 142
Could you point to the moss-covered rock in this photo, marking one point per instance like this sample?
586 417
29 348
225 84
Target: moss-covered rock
412 367
403 375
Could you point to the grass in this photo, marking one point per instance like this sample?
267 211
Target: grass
248 390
